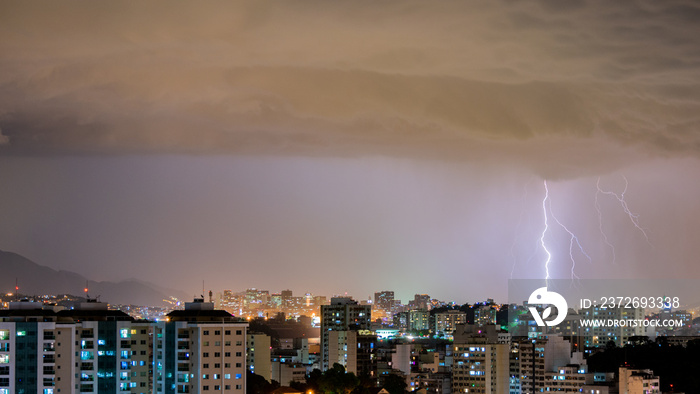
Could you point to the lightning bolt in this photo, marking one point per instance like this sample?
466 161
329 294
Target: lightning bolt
544 232
621 199
575 245
573 238
600 222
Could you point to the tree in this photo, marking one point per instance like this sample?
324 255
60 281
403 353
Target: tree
337 381
313 380
256 384
303 387
395 384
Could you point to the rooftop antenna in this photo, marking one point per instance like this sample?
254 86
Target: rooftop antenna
87 296
202 289
16 289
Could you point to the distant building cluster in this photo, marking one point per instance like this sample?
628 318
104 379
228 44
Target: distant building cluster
64 344
254 303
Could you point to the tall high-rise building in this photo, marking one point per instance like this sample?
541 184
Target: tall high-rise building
480 363
232 303
566 378
638 381
28 350
354 350
480 368
401 358
89 349
384 300
276 301
420 301
200 349
484 315
258 354
257 299
418 320
343 314
286 296
445 323
599 336
538 356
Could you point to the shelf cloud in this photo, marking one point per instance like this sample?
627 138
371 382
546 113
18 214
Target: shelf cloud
494 80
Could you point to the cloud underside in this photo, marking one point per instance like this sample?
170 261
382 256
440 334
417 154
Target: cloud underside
595 84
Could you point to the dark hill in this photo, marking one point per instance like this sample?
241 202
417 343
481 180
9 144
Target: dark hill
35 279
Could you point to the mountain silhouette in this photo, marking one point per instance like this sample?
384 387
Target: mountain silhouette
35 279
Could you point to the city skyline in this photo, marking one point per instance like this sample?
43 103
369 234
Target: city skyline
351 147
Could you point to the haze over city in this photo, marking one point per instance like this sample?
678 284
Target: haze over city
350 147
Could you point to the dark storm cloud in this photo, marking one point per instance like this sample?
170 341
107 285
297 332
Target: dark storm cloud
457 80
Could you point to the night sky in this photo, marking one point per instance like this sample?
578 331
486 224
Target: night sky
352 147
